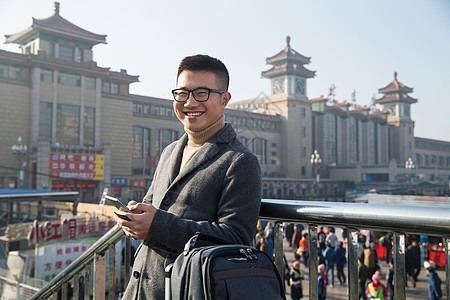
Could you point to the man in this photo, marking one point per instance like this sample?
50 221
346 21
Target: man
434 282
331 238
412 261
207 181
363 275
330 261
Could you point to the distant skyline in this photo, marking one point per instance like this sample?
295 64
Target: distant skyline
355 45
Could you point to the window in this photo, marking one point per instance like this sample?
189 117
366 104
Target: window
89 83
4 71
67 124
259 148
106 87
303 171
45 119
15 73
166 136
141 151
353 140
426 158
441 161
89 126
303 112
373 145
46 75
110 87
418 159
303 151
69 79
66 52
330 139
114 88
51 49
303 131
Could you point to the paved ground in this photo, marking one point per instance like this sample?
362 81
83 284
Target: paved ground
420 292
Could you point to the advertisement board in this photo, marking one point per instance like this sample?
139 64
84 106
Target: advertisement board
77 166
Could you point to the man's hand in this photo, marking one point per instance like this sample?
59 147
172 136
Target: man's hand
141 220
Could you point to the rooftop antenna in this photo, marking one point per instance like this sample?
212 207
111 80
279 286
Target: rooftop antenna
331 93
354 98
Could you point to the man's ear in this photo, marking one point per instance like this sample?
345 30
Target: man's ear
226 97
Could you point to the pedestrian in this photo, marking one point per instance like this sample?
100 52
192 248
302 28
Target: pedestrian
331 238
295 280
376 289
321 237
371 258
390 280
322 282
330 261
412 261
296 238
341 260
363 275
304 248
289 232
434 282
207 181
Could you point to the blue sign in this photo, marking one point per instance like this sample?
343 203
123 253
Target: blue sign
119 181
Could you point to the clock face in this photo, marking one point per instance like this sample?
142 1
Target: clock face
390 109
299 86
278 86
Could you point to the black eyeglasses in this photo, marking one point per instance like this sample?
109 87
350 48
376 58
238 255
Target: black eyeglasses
200 94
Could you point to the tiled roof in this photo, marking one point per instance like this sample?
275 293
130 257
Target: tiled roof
288 62
58 26
395 92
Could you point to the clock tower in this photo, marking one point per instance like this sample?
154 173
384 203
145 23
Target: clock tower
289 99
397 103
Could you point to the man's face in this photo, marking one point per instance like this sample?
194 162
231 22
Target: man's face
195 115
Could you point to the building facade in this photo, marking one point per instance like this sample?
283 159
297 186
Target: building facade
84 130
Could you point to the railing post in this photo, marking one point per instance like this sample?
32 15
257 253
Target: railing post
111 272
99 276
76 286
87 281
447 265
352 264
313 263
127 260
399 266
278 247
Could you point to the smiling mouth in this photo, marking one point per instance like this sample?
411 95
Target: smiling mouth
193 114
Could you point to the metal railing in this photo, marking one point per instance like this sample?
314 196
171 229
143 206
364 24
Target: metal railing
434 221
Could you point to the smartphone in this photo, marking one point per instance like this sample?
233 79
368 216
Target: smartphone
117 203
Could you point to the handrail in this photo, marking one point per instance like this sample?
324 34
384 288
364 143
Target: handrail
111 237
427 220
353 216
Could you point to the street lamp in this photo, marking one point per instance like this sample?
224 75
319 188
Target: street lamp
409 165
315 163
19 151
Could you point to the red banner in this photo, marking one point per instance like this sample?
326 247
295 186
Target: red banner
77 166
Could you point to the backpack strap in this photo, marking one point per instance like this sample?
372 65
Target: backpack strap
200 239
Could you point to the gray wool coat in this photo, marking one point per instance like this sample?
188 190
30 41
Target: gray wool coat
218 193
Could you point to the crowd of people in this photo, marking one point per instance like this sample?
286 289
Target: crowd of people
373 283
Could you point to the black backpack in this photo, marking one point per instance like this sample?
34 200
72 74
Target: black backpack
223 272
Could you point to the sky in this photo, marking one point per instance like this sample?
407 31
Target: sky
355 45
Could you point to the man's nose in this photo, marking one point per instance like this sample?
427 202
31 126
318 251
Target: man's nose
191 100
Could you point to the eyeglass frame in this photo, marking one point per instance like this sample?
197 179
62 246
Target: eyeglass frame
193 95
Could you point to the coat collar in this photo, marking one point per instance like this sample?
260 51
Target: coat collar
206 152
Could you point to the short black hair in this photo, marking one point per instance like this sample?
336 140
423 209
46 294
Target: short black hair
201 62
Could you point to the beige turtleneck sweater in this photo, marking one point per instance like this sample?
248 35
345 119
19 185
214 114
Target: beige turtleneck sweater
196 139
